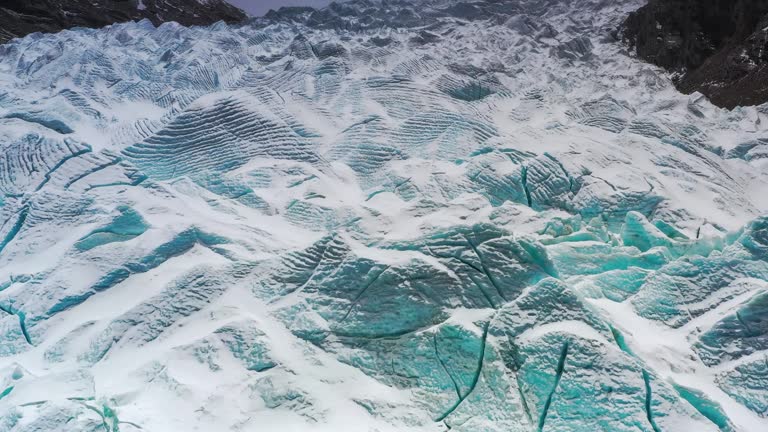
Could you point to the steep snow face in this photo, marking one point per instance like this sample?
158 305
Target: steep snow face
495 222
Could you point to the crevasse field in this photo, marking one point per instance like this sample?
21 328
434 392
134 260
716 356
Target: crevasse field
467 217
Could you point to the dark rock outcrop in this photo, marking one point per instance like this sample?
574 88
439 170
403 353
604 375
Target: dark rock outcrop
21 17
717 47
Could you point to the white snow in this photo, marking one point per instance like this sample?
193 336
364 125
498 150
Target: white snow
229 134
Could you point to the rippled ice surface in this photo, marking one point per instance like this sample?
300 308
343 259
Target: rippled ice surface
490 219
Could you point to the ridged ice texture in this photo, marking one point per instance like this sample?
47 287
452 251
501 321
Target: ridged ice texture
478 216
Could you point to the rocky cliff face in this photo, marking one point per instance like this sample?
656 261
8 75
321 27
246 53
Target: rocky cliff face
22 17
719 48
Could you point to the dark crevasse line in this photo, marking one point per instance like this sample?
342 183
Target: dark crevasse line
8 219
373 194
96 410
23 326
486 272
445 367
92 171
524 180
59 165
482 291
346 223
610 185
129 424
21 278
558 376
299 182
381 336
744 324
234 197
178 246
622 343
404 182
15 228
22 320
6 392
140 179
526 408
565 171
110 414
106 414
264 368
473 267
476 377
54 125
394 189
709 409
312 274
540 259
291 204
7 240
360 294
361 123
330 251
650 185
648 400
459 259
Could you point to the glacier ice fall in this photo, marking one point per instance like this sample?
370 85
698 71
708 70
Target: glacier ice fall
469 216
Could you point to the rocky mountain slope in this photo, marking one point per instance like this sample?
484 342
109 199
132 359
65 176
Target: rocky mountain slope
387 216
22 17
718 48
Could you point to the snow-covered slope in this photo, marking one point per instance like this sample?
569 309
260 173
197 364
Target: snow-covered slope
494 221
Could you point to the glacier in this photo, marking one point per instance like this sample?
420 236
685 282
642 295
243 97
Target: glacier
469 216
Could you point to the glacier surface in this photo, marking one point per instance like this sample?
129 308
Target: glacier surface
478 216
